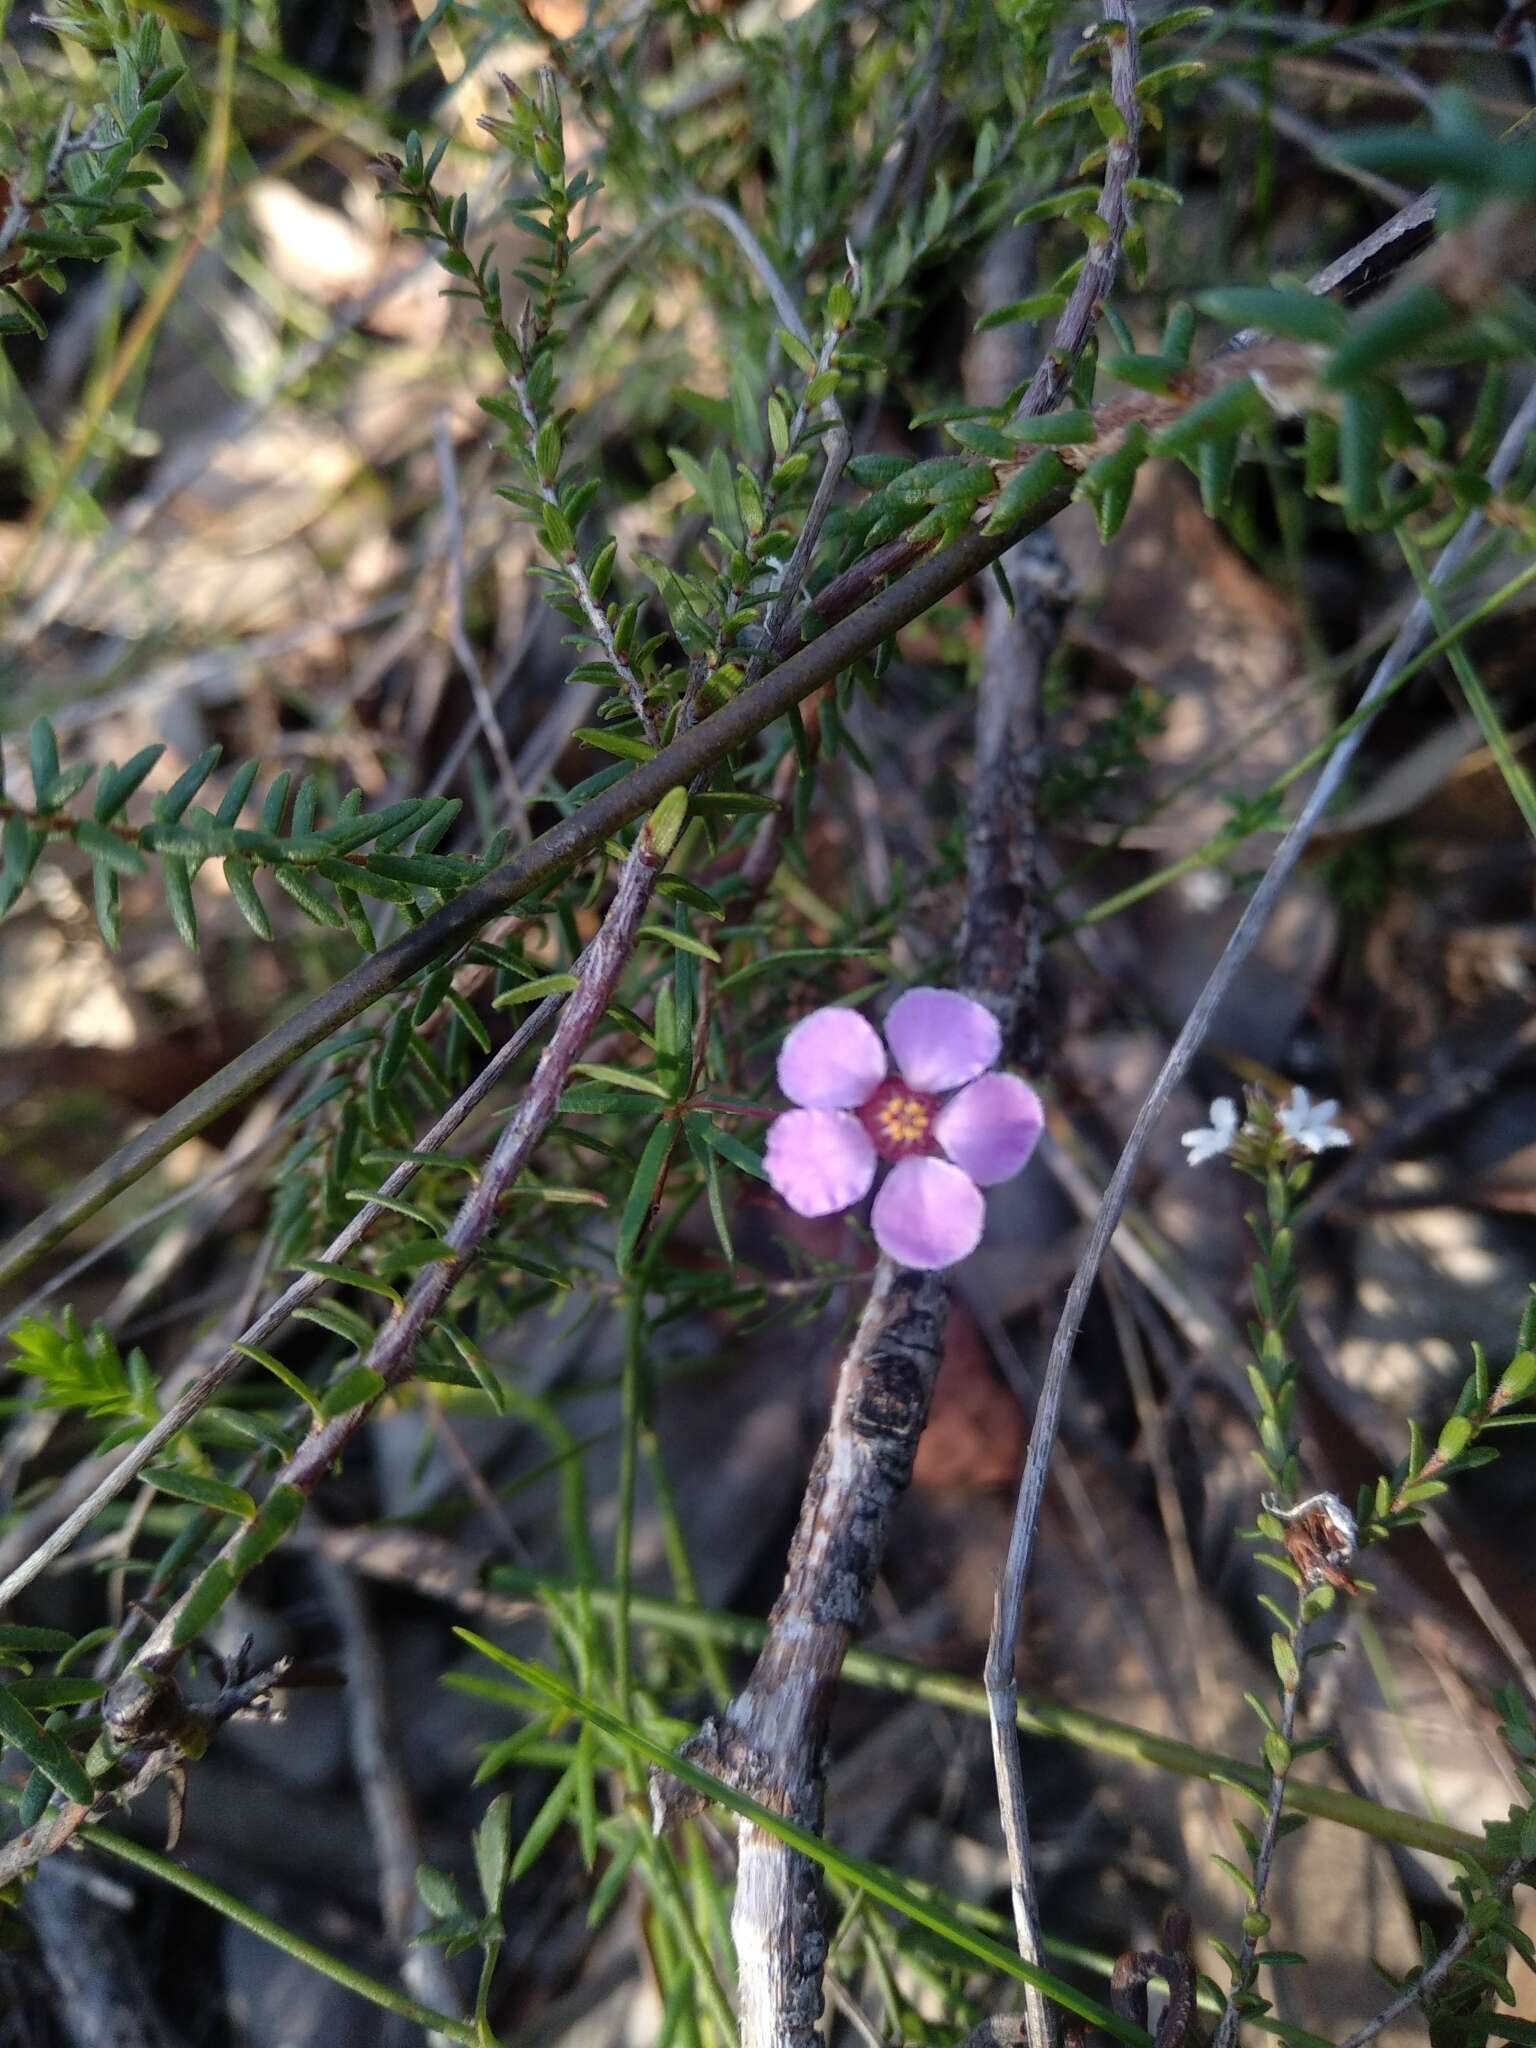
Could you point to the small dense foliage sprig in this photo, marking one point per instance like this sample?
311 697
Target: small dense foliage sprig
324 869
67 191
1483 1405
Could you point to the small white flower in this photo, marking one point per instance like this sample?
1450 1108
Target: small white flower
1216 1138
1310 1124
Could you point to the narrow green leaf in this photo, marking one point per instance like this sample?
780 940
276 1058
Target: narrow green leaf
1039 306
169 807
308 898
1288 313
620 1077
1286 1667
43 750
1045 473
619 743
685 942
348 1276
542 1827
203 1492
104 896
1405 324
536 990
48 1695
361 1383
278 1371
176 879
44 1642
118 784
239 875
493 1851
277 1515
729 1148
1362 455
642 1192
1222 416
1053 429
344 1323
40 1746
1455 1437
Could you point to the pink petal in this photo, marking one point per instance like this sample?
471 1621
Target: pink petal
990 1128
928 1214
819 1160
941 1040
833 1059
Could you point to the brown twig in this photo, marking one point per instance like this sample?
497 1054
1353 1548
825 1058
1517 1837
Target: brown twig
1001 948
1101 265
769 1741
1000 944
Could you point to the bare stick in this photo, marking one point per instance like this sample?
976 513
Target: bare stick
1010 1598
770 1740
1002 944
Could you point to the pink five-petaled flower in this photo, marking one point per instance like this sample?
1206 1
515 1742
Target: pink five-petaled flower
851 1112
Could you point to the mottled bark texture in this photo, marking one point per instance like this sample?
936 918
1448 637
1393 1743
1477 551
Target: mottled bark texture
769 1743
1000 946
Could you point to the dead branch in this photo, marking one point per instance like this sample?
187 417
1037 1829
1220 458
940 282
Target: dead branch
770 1740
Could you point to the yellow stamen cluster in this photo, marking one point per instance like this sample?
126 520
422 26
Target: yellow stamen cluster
903 1120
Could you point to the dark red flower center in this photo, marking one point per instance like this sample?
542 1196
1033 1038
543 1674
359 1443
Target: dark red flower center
899 1119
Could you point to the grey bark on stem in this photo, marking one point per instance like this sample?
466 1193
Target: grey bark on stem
770 1740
